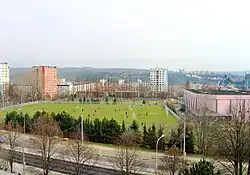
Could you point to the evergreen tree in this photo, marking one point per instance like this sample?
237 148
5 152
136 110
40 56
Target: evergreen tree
97 127
91 129
134 126
36 115
53 115
87 127
105 128
85 124
152 137
174 140
190 141
115 128
145 137
44 113
106 100
114 101
202 167
123 126
66 121
11 117
28 123
20 119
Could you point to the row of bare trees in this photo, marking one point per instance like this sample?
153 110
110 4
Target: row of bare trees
226 140
17 94
47 142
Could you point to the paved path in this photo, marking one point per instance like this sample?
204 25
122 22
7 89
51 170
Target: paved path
147 156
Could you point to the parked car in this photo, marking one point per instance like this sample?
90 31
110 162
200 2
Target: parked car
2 140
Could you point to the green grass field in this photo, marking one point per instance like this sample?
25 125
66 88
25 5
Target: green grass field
155 114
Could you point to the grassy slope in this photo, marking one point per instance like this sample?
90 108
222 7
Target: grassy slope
156 114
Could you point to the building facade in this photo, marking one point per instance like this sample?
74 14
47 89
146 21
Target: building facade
65 90
215 102
4 77
121 81
45 81
61 81
159 80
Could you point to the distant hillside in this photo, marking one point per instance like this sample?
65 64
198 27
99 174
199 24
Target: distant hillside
88 72
21 75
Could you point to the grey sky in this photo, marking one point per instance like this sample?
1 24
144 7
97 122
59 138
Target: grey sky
190 34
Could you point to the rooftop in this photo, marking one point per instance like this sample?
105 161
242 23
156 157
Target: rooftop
219 92
36 67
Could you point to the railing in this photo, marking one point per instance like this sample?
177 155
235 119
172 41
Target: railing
167 109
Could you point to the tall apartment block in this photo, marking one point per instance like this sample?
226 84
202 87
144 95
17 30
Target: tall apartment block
4 77
45 81
159 80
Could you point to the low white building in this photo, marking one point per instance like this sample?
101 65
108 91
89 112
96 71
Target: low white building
64 89
121 81
103 81
139 81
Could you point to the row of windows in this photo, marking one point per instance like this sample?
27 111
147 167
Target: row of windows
161 80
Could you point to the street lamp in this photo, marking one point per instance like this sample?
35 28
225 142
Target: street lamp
184 136
81 125
24 124
156 153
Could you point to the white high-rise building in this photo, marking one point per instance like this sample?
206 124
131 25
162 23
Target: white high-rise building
4 77
159 80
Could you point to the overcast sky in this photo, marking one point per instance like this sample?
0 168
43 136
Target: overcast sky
190 34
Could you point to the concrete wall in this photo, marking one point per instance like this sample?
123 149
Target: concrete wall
222 104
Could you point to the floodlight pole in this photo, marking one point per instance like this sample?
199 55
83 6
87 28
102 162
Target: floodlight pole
156 154
24 126
184 136
81 124
82 127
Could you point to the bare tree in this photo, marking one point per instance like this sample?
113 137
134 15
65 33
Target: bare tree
11 94
127 161
46 141
172 162
202 129
81 155
12 135
232 140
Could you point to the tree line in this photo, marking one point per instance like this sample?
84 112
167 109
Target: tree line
104 130
225 140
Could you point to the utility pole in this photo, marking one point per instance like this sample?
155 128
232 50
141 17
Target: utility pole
82 127
184 137
24 126
156 154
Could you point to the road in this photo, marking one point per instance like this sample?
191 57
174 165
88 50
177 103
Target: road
61 166
99 149
102 165
104 153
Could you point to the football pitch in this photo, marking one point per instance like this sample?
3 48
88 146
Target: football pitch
147 114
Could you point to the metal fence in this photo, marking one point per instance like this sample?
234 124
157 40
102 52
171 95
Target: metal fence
167 109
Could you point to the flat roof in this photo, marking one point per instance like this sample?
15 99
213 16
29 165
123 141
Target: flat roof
219 92
34 67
